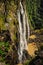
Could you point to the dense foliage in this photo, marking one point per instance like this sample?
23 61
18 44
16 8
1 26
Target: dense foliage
4 46
35 13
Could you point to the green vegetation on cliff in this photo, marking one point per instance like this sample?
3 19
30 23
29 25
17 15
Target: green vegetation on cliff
34 9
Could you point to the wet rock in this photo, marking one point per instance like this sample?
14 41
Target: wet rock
5 36
36 61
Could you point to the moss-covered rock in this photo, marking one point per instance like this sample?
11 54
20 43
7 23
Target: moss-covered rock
12 18
2 18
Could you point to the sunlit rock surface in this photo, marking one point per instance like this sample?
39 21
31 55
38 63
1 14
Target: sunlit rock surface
32 47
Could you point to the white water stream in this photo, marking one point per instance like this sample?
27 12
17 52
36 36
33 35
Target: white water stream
22 31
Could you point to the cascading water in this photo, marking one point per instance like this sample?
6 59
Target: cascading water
28 32
22 31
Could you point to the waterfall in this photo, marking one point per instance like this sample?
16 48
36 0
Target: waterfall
22 31
28 26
